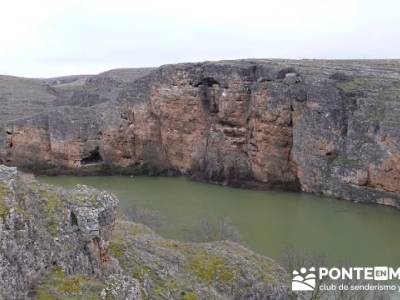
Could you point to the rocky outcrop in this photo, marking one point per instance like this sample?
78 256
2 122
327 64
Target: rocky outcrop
44 228
175 270
59 244
328 127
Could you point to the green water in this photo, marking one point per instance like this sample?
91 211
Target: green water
268 222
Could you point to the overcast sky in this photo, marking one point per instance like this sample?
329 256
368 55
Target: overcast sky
53 37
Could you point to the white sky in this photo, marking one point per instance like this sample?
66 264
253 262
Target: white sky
46 38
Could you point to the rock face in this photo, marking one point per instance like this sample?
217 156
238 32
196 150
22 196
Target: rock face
43 228
58 244
328 127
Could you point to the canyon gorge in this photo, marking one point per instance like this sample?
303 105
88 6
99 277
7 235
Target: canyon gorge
318 126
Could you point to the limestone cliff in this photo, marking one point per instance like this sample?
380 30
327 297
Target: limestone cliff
328 127
67 244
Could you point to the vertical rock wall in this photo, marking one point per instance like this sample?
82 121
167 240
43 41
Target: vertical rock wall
326 127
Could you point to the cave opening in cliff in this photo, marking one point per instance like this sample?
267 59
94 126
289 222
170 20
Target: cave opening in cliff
209 87
93 157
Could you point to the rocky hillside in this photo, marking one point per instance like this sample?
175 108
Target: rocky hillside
68 244
330 127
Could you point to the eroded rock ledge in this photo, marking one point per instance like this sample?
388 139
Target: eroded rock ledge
59 244
328 127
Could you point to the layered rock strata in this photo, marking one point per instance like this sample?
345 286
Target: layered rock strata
329 127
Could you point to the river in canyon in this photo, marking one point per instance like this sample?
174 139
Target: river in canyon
268 222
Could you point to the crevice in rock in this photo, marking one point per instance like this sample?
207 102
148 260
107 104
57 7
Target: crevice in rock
209 88
296 185
73 219
227 123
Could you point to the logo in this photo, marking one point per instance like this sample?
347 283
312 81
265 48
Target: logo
347 279
304 280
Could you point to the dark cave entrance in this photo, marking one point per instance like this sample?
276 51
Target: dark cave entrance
210 88
93 157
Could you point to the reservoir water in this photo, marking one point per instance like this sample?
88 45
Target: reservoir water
268 222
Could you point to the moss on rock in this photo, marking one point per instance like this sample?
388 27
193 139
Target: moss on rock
170 269
210 268
4 193
190 296
57 285
4 209
344 161
53 209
